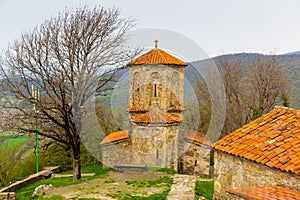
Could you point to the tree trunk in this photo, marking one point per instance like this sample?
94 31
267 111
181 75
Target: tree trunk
76 163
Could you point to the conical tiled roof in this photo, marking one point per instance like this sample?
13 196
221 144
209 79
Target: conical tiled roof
157 56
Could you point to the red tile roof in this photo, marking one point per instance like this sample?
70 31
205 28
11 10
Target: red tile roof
157 56
196 137
115 136
157 116
272 140
266 193
135 109
176 108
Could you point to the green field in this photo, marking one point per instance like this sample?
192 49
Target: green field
11 141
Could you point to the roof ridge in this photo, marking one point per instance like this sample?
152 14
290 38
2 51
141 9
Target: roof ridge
289 109
162 56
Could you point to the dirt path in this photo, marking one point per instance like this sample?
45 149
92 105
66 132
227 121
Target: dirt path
112 185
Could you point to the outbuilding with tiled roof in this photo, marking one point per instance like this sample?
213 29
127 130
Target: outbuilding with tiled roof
264 152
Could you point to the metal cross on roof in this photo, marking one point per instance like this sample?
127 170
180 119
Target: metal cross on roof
155 43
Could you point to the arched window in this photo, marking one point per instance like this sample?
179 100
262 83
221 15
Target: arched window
136 82
175 83
155 78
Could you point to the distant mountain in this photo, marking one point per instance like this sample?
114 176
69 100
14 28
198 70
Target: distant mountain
290 63
293 53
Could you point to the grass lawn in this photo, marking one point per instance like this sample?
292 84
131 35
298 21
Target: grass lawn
158 169
26 192
205 189
87 169
123 186
163 182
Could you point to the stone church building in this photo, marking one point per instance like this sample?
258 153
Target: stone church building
155 136
260 160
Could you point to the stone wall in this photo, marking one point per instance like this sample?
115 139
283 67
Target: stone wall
234 172
7 196
196 159
148 145
166 80
116 153
44 174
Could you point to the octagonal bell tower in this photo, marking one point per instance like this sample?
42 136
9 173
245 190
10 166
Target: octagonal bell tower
156 106
156 80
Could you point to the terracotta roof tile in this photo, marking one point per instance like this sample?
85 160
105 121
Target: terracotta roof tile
275 143
266 193
115 136
135 109
176 108
157 56
196 137
157 116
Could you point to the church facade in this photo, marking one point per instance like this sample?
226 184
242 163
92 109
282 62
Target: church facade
156 106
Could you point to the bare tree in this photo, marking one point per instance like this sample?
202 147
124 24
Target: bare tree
232 74
267 84
68 58
251 91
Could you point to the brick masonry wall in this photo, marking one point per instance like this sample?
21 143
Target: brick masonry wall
234 172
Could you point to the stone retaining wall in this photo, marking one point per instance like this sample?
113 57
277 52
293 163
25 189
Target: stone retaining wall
46 173
7 196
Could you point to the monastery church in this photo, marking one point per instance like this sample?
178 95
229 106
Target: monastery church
260 160
155 136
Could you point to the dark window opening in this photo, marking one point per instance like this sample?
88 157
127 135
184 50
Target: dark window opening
195 163
155 91
156 154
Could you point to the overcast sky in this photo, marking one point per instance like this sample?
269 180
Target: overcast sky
218 26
